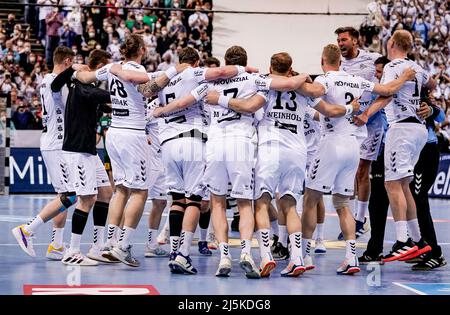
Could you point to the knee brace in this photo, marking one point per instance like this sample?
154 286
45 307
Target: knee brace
194 204
67 199
340 202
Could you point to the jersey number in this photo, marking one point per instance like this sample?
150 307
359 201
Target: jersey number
170 97
289 106
416 88
43 106
117 87
233 91
349 98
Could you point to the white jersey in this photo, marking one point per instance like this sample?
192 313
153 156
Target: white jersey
128 105
363 65
184 120
225 121
407 100
53 107
341 88
311 129
283 120
152 126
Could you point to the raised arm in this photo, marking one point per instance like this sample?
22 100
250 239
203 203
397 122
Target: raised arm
226 72
86 76
176 105
395 85
246 106
151 87
62 79
380 103
312 89
284 84
331 110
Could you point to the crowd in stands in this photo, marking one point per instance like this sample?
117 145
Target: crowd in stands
105 25
429 22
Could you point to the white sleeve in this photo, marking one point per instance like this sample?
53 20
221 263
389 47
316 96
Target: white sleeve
102 73
199 74
154 75
200 91
323 81
388 74
264 94
366 85
311 102
261 82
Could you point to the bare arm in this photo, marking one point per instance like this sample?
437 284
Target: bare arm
395 85
312 89
129 75
380 103
225 72
241 105
86 76
176 105
284 84
331 110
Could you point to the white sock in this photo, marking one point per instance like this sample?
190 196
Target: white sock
414 230
125 237
33 225
75 241
263 242
296 246
152 235
57 237
401 231
224 250
99 235
306 246
112 230
350 250
274 227
119 232
319 231
246 246
186 242
361 209
283 235
174 243
203 234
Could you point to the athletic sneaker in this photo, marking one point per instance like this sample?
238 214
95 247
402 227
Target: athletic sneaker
158 251
266 266
307 259
106 253
320 247
125 255
422 248
203 248
224 267
184 264
280 252
400 249
360 229
172 257
96 253
430 263
366 259
348 267
246 262
77 259
235 223
293 269
163 237
212 242
24 239
54 253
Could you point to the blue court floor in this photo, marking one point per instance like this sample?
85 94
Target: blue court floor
20 272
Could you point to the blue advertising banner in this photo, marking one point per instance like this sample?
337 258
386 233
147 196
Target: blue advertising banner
28 173
441 186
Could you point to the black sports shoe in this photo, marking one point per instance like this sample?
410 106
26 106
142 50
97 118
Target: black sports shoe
366 259
400 249
430 263
280 252
422 248
235 223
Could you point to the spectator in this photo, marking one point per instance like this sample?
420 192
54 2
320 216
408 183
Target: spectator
7 85
9 25
74 18
23 118
43 12
198 20
54 21
66 35
114 48
166 64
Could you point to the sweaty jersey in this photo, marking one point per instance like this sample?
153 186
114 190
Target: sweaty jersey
128 105
53 107
341 88
184 120
405 102
283 120
225 121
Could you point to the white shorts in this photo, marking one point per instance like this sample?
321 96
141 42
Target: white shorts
129 151
311 152
230 159
184 162
404 142
86 171
57 170
370 146
334 166
159 188
279 169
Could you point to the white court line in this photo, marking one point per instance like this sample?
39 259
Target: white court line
409 288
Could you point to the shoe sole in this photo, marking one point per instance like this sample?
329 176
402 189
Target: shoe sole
124 261
146 255
223 272
110 257
179 267
102 259
280 258
249 271
18 237
350 271
208 254
265 271
308 268
81 265
295 273
371 262
320 251
54 258
417 253
409 252
427 268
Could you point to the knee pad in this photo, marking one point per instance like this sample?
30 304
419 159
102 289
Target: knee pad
179 204
194 204
340 202
67 199
195 198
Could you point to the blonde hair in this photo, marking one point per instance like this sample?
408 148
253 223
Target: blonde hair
332 54
403 40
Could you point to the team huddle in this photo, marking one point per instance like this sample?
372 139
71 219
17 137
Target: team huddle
202 134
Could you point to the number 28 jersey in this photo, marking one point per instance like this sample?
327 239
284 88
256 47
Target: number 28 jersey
341 88
128 105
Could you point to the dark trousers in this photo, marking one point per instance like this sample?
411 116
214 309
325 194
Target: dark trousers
425 173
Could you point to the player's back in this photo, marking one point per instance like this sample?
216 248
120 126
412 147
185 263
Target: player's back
128 105
53 106
406 101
